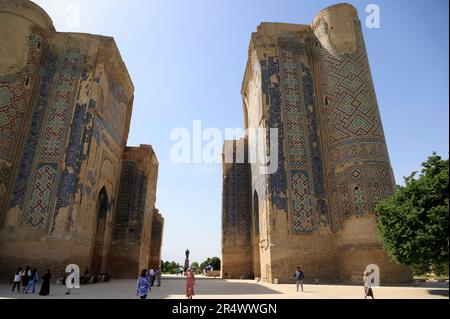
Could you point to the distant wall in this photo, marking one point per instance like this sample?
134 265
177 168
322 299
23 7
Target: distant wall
131 247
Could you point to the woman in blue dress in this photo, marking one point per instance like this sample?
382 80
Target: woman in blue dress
143 285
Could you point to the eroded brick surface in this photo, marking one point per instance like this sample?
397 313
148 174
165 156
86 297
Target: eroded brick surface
312 83
65 172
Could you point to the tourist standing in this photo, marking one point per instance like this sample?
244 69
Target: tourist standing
26 274
143 285
45 288
299 277
158 277
17 279
190 283
151 275
367 285
32 282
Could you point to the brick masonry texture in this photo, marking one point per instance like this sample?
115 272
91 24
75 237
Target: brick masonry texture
70 189
313 83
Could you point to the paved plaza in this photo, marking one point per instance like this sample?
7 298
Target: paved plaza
209 288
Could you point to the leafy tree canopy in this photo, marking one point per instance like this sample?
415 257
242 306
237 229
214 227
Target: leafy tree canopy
413 223
213 261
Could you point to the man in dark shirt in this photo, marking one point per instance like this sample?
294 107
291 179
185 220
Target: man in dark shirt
299 276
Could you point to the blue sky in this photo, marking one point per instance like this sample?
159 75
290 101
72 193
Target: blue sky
187 58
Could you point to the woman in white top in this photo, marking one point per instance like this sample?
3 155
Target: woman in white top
17 279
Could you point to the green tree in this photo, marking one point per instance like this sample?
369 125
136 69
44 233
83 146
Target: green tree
195 265
204 264
169 267
213 261
413 223
166 268
173 267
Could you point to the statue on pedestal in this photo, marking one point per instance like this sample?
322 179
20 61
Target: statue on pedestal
186 261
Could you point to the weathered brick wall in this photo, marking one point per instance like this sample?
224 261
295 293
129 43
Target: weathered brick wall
70 103
236 216
358 245
132 230
358 167
156 240
316 211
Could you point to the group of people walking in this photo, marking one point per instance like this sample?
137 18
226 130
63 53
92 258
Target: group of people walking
147 278
25 281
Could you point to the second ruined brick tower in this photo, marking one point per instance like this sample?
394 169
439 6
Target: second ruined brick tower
70 189
313 83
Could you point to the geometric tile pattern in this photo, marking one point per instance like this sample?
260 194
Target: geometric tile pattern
37 121
302 219
304 162
15 95
130 203
373 150
74 153
288 89
40 199
294 110
354 132
271 90
50 139
15 91
361 186
352 108
61 107
358 199
301 214
237 203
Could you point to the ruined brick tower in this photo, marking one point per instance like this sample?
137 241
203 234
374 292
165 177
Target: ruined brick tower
313 83
70 190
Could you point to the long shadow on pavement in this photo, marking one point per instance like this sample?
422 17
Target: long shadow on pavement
438 292
224 287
